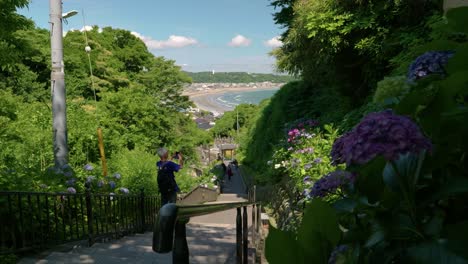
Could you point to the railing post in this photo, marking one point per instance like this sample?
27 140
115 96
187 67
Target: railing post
254 193
180 254
245 242
259 218
142 210
253 224
89 213
238 237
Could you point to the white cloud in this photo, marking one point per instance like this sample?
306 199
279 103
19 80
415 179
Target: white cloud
274 42
240 41
86 28
172 42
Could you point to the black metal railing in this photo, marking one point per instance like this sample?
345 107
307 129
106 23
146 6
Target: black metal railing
37 220
170 227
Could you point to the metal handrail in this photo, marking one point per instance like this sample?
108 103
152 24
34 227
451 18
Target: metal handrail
170 227
187 211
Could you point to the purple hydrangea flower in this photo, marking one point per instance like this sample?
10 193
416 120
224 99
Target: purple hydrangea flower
88 167
331 182
100 183
336 252
312 123
124 190
307 166
90 179
432 62
71 190
66 167
306 179
117 176
112 184
71 182
383 133
317 160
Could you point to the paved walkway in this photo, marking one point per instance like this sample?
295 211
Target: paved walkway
211 239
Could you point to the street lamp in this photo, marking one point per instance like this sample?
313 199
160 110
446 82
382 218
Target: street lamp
59 106
69 14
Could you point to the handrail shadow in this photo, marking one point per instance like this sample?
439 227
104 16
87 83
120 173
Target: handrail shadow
170 227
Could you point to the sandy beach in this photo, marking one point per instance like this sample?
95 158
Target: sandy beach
206 99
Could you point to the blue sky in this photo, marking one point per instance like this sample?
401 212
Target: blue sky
200 35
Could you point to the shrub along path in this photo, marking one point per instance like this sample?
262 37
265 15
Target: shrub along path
211 239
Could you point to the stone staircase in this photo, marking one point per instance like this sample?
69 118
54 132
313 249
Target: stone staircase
211 240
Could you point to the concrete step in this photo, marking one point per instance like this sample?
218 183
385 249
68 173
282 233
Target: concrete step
107 258
211 243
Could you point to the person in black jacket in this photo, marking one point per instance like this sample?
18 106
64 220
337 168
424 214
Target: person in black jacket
166 178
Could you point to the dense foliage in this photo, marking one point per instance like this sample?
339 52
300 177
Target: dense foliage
293 101
401 197
133 96
349 44
226 126
237 77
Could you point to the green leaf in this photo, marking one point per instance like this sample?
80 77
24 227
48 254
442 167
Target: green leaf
433 253
319 230
376 237
434 226
454 186
369 181
458 19
345 205
390 178
281 247
377 231
457 238
407 168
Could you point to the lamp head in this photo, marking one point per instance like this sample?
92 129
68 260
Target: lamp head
69 14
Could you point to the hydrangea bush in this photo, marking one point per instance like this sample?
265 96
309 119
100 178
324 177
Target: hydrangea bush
431 62
304 153
383 133
402 196
75 180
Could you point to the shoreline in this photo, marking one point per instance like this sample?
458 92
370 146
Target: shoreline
206 99
229 89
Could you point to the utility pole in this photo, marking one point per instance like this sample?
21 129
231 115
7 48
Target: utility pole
59 106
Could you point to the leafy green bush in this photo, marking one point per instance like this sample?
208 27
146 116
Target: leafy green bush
304 156
390 87
138 170
402 197
293 101
137 109
353 117
8 259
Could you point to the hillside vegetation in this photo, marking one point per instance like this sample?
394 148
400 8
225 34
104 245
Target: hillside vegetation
364 159
138 106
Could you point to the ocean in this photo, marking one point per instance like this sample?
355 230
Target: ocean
230 100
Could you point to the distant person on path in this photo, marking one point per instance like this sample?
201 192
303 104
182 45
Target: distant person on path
229 172
224 168
166 178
